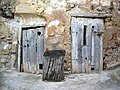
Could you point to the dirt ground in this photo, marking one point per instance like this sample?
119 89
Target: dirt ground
106 80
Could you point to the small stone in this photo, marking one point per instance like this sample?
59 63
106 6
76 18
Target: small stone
9 42
14 47
68 69
51 31
108 50
25 8
9 39
39 10
99 8
5 51
3 37
108 23
59 30
39 72
4 61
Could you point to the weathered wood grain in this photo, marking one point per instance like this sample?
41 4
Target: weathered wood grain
53 67
75 48
87 44
33 49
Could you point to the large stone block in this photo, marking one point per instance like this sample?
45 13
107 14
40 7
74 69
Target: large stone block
40 10
110 23
60 30
4 61
14 47
25 1
4 51
25 8
105 2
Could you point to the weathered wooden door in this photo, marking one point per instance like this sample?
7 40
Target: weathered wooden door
87 46
32 49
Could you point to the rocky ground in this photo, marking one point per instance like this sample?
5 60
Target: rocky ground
106 80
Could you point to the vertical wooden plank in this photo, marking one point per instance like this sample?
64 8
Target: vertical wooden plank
84 45
37 49
101 28
30 56
74 33
89 44
28 51
98 47
25 55
95 47
80 21
96 52
36 67
40 45
83 59
23 49
32 51
75 63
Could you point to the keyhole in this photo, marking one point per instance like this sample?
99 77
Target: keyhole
92 28
39 33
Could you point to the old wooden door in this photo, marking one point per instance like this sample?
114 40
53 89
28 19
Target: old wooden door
32 49
87 46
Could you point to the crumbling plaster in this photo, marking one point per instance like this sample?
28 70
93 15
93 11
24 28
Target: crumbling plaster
57 34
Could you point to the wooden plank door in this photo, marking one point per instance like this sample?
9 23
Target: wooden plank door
32 49
86 44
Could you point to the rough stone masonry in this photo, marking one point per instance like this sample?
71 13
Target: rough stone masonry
57 32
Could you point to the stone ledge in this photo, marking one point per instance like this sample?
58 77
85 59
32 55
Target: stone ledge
88 15
113 66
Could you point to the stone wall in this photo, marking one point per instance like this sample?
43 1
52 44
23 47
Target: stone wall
112 38
8 44
57 34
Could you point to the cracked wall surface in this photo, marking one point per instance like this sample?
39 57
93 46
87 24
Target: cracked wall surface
57 32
